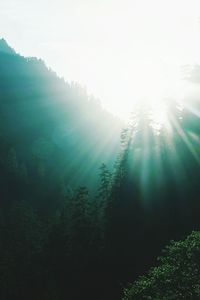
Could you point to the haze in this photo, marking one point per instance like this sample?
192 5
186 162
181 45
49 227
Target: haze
122 51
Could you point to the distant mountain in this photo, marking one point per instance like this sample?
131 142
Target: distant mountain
59 132
5 48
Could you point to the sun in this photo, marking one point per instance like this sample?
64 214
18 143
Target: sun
145 85
155 114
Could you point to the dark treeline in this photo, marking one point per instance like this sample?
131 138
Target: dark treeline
67 233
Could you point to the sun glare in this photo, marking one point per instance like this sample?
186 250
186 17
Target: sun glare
146 88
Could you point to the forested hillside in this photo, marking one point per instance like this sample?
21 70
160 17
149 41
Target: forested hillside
51 130
86 207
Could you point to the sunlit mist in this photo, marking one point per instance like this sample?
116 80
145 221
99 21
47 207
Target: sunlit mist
124 52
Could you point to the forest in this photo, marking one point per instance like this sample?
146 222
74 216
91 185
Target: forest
92 207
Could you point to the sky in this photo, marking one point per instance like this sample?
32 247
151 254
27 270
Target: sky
123 51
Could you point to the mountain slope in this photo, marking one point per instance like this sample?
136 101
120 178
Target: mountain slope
56 129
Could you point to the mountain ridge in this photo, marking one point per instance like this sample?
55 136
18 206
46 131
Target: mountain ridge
5 48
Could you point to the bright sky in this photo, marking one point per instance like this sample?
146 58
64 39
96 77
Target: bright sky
122 50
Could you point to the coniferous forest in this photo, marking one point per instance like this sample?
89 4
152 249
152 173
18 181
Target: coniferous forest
91 207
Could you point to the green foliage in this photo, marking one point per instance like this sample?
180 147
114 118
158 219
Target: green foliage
177 275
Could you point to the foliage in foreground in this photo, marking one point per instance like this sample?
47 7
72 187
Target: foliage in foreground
176 277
